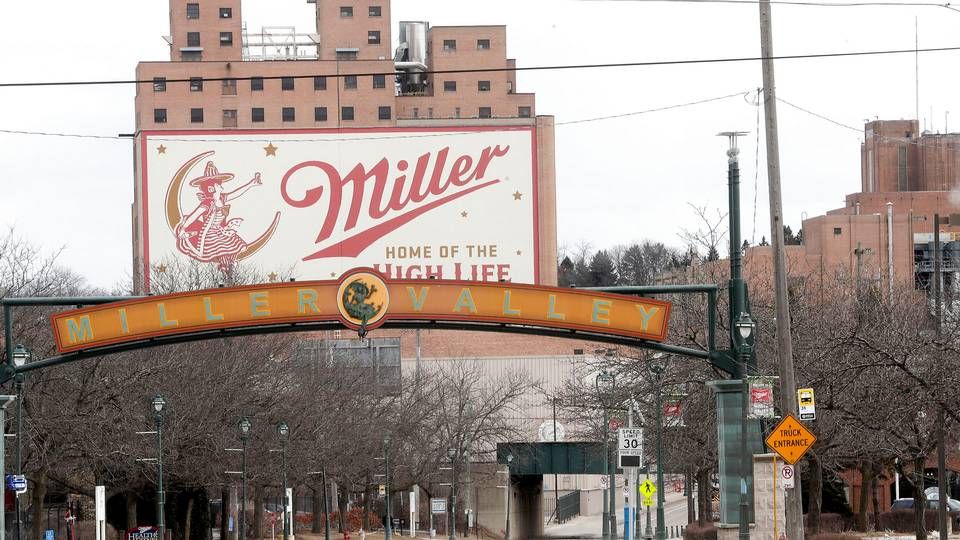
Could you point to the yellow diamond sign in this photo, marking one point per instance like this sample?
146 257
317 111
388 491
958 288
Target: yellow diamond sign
791 439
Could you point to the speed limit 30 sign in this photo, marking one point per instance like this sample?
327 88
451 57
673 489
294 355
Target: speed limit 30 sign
629 447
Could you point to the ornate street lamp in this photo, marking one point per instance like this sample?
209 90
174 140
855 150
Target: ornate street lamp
283 430
506 535
158 402
244 427
452 454
657 368
745 327
609 530
388 531
21 355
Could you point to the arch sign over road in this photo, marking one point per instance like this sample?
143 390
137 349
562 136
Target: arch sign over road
360 299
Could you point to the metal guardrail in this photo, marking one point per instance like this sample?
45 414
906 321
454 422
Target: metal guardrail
568 506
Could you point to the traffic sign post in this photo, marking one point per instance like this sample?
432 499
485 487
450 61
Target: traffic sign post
17 482
648 489
786 476
791 439
629 447
806 405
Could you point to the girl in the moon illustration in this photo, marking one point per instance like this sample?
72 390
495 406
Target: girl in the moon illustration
205 234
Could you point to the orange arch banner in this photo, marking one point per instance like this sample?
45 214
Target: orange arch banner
360 298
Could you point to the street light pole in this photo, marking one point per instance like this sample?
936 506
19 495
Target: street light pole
657 370
326 508
608 501
283 430
21 355
506 535
452 454
158 403
744 326
244 426
388 531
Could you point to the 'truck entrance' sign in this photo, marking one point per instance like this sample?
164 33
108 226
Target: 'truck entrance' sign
791 439
361 298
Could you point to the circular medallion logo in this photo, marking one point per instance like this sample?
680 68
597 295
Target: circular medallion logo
362 299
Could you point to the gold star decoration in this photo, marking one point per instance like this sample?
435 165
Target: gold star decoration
517 196
333 274
272 276
161 268
519 252
161 149
463 214
270 149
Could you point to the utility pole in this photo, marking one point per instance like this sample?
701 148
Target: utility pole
793 509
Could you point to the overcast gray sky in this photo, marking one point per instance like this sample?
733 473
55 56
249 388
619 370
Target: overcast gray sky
618 180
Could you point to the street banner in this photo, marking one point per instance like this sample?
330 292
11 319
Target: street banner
761 397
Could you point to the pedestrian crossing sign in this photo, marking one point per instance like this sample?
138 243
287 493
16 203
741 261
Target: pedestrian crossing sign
648 489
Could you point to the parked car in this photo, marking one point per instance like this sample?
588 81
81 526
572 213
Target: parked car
953 505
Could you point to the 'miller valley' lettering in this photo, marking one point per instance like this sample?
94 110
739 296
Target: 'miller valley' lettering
389 200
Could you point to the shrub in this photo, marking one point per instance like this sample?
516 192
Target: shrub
902 520
830 523
834 536
693 532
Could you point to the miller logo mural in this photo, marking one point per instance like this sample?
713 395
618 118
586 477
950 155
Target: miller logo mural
443 204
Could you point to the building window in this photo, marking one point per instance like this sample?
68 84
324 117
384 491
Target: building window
523 112
193 11
159 84
484 112
160 116
346 11
374 11
226 39
449 44
196 84
346 113
319 114
196 116
193 39
416 112
350 82
289 114
383 113
256 83
449 86
226 13
456 112
319 83
229 118
256 114
483 44
430 112
286 83
483 86
837 231
191 56
373 37
379 81
229 87
346 55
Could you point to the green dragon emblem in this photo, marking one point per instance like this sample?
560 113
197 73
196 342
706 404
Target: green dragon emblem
355 301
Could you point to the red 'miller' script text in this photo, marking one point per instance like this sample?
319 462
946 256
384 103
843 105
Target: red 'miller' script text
432 183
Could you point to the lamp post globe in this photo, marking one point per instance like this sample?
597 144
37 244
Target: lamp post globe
244 426
283 429
21 355
158 403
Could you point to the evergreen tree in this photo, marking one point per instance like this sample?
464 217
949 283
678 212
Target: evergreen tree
763 241
631 268
601 270
566 272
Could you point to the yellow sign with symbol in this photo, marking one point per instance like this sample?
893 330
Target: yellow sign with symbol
648 489
791 439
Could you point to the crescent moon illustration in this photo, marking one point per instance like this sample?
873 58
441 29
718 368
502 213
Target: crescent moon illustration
175 214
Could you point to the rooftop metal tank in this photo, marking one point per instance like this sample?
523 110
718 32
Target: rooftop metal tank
414 34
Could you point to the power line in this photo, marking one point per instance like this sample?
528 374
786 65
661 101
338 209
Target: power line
496 69
945 5
162 138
